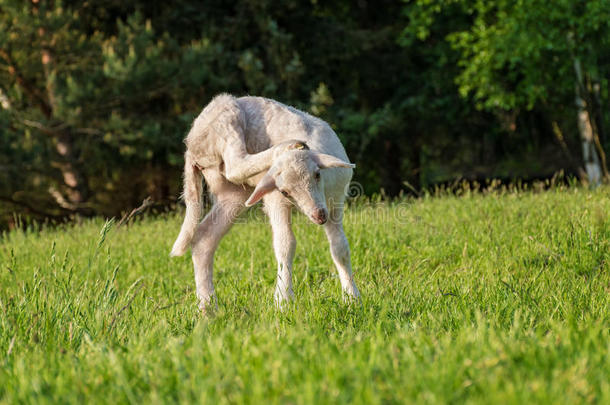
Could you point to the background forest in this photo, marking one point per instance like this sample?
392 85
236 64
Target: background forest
96 96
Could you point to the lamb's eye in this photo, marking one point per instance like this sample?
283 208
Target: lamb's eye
284 193
317 176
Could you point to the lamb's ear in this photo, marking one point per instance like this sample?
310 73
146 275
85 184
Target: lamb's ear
266 185
328 161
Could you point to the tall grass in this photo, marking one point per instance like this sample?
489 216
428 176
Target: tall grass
497 298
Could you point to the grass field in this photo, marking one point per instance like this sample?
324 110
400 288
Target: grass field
498 298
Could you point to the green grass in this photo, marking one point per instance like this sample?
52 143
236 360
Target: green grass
498 298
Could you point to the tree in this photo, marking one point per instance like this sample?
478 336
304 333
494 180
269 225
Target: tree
96 96
104 91
533 55
88 92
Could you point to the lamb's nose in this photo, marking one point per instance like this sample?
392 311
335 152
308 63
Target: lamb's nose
320 216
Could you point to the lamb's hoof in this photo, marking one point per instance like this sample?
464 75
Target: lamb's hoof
298 145
289 145
208 307
207 311
352 296
282 302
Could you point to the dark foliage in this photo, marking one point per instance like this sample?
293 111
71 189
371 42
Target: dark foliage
98 95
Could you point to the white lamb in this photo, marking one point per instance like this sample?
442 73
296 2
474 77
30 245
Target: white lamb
252 148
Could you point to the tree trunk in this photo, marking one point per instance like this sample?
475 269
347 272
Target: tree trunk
597 115
589 153
590 156
76 190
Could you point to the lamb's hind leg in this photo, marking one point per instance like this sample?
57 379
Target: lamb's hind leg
229 204
339 250
284 244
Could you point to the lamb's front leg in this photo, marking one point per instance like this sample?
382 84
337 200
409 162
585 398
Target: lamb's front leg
284 244
339 250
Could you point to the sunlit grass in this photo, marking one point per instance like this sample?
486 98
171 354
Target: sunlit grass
499 298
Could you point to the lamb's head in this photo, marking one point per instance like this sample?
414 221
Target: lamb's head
297 175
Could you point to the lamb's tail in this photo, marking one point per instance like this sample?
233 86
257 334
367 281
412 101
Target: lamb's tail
192 198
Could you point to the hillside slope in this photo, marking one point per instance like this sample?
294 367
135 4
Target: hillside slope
479 298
